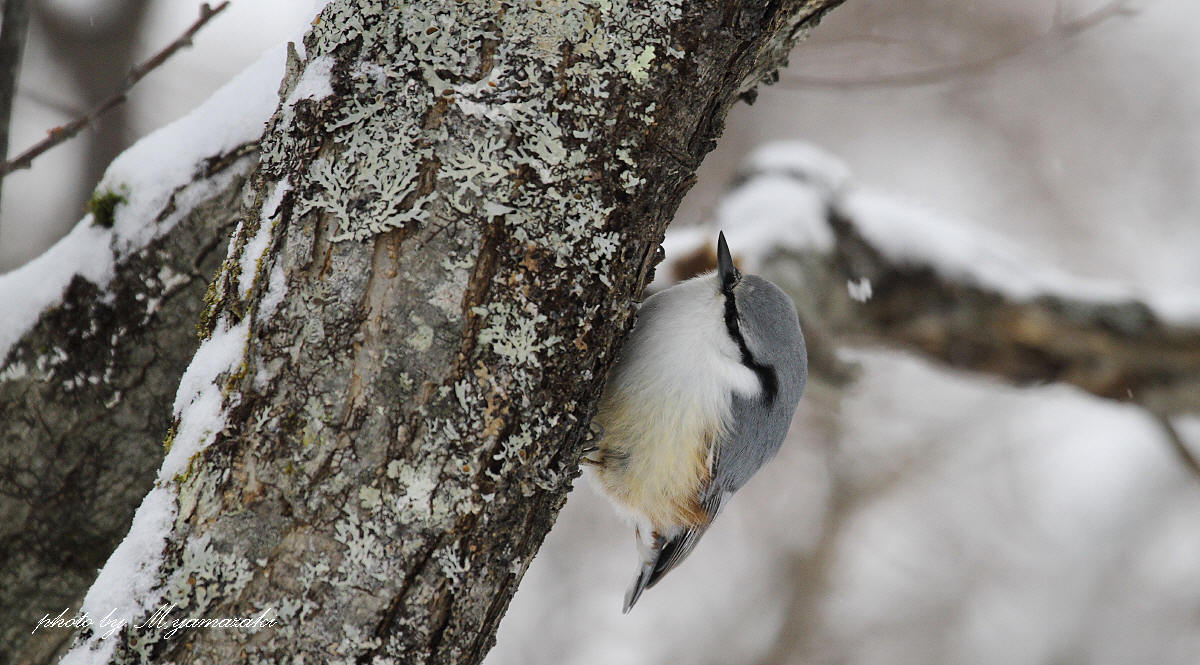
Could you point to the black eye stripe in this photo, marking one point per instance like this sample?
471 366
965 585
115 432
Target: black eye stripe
766 374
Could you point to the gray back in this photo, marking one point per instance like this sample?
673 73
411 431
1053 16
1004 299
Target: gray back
771 328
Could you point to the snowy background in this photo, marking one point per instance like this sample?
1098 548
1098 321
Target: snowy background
923 515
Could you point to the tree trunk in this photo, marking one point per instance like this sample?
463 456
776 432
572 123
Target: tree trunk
453 212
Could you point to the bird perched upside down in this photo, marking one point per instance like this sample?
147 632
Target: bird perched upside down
700 399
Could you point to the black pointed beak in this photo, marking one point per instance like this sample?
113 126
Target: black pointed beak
725 269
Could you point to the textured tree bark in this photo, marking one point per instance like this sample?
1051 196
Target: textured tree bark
460 230
86 397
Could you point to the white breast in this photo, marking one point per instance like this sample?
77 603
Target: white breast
667 400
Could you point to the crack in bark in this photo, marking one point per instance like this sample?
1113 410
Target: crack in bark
478 286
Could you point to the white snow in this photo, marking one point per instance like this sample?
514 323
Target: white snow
774 211
782 205
785 203
911 234
1180 307
258 244
128 586
125 583
125 587
798 159
859 290
146 174
199 401
276 290
314 82
27 291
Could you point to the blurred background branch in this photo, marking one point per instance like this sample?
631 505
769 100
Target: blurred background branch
14 26
869 270
1186 455
1061 28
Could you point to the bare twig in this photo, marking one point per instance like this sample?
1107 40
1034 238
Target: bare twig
64 132
1178 445
1060 29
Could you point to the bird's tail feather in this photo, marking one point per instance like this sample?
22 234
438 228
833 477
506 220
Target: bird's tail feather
650 549
639 584
661 555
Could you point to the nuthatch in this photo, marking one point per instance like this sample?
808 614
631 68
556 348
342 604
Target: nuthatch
700 398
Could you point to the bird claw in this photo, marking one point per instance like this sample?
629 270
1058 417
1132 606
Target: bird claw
589 456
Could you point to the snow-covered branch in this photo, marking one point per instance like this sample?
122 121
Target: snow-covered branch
867 269
95 336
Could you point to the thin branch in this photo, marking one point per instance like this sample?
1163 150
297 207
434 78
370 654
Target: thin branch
1178 445
64 132
1058 30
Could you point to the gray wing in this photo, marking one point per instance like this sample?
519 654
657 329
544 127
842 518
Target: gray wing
759 430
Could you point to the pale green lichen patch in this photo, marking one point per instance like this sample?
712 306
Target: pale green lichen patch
639 66
368 497
513 335
395 161
452 564
422 334
413 500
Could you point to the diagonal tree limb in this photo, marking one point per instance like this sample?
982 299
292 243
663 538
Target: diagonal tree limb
85 397
1120 350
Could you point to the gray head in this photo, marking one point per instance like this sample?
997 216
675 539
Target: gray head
763 321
